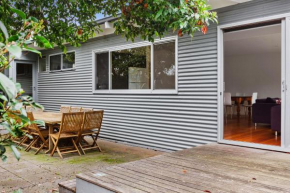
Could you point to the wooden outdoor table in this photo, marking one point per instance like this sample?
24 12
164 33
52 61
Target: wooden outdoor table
239 99
50 119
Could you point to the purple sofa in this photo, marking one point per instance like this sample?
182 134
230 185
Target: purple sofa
262 110
276 118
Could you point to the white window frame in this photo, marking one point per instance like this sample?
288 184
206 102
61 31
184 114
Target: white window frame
61 61
39 58
136 45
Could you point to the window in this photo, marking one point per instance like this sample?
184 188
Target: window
69 60
55 62
102 71
24 69
142 67
164 66
62 61
131 68
42 64
21 69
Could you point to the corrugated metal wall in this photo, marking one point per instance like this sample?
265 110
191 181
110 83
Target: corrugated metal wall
169 122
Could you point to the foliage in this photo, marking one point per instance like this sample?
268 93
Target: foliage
12 101
74 21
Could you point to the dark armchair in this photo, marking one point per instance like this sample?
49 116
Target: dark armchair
276 118
262 110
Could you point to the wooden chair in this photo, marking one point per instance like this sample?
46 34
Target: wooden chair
86 109
75 109
21 140
91 127
64 109
70 128
249 106
37 134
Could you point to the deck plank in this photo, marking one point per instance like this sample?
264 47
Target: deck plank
214 168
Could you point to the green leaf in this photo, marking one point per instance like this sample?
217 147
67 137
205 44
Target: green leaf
36 105
64 50
159 13
33 19
44 41
23 111
8 86
15 152
8 128
4 158
18 106
2 150
19 13
39 122
29 136
4 30
15 50
27 98
13 38
32 50
18 86
1 44
3 97
24 118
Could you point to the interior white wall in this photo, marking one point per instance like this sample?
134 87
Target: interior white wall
253 73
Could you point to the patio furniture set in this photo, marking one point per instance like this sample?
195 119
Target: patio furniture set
69 125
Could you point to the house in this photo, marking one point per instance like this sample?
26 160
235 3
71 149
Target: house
170 94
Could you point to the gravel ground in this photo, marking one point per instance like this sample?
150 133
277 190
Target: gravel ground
42 173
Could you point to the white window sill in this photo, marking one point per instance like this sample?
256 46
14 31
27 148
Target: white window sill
135 92
62 70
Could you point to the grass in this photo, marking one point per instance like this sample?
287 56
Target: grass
101 157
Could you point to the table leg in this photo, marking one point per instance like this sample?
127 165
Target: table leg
50 143
239 101
249 108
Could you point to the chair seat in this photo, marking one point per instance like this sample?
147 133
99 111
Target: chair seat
63 135
89 132
42 130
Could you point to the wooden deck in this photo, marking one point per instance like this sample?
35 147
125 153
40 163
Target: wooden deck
209 168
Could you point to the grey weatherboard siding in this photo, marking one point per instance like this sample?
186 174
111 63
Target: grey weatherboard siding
168 122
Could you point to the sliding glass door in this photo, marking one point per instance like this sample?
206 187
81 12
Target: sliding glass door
253 95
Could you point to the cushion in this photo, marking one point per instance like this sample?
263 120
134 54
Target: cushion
270 100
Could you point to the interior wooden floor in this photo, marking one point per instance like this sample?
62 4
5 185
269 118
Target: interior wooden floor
241 128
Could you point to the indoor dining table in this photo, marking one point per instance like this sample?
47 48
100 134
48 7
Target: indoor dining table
50 119
239 99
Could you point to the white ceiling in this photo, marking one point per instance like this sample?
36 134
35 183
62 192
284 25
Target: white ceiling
261 40
215 4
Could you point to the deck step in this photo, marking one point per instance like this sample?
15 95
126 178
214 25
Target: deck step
67 186
207 168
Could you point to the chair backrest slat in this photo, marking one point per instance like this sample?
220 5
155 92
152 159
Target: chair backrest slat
71 122
254 97
93 120
75 109
32 126
87 109
64 109
227 98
